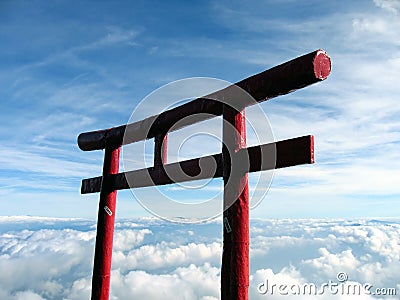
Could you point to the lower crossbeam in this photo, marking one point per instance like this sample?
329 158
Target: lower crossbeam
287 153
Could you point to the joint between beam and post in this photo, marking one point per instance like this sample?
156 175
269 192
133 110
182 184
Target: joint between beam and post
160 149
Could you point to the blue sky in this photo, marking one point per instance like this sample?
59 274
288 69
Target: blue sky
69 67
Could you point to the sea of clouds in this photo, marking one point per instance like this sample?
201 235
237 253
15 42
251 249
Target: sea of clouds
49 258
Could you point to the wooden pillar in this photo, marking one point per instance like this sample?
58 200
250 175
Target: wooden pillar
160 149
105 228
235 256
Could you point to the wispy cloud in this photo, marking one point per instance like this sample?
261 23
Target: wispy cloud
97 77
28 161
113 36
391 5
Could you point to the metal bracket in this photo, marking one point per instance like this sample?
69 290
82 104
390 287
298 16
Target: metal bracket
108 211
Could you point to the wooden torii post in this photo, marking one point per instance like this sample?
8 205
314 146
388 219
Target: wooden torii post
234 159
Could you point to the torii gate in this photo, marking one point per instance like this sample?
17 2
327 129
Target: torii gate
233 164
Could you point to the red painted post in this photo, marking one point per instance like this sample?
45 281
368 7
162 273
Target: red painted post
105 228
236 237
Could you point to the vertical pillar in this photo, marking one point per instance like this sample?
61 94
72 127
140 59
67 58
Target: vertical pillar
160 149
235 256
105 228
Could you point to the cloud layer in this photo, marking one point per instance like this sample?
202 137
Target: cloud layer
52 258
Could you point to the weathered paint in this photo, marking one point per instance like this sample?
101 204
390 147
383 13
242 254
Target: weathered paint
283 79
105 228
235 255
291 152
160 149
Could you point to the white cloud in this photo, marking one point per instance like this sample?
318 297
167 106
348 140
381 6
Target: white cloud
126 239
27 296
34 161
117 35
391 5
192 282
157 260
166 255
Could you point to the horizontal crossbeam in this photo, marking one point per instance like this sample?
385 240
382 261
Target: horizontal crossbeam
282 79
288 153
